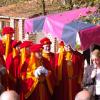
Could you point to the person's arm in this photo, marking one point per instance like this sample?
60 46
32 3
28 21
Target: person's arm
85 76
93 74
87 80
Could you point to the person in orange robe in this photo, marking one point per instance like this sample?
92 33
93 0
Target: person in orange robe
37 83
59 60
70 70
12 65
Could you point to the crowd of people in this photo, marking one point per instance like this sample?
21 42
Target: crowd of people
30 71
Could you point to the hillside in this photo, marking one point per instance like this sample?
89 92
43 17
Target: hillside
31 8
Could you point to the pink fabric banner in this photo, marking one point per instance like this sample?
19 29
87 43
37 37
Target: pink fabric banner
54 23
28 25
90 36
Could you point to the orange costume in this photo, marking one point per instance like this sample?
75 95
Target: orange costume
69 70
37 88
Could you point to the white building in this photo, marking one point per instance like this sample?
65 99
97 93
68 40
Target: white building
15 22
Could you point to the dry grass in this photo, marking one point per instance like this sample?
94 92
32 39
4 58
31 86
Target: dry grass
31 8
26 9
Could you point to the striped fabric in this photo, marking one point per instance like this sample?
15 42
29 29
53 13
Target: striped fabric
64 25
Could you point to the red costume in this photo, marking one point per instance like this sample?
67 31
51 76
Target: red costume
8 31
12 65
49 56
37 88
24 61
3 75
69 70
2 48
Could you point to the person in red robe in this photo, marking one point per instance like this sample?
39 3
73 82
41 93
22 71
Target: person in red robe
69 65
2 50
7 33
3 72
46 53
12 65
75 70
49 57
59 59
24 52
24 60
37 83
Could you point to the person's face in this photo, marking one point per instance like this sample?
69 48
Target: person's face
68 48
4 38
95 60
38 55
46 48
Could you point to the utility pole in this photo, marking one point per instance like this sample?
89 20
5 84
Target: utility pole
43 7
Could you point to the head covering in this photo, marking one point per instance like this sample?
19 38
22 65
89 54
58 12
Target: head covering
96 53
61 43
26 44
15 43
95 47
45 41
36 48
7 30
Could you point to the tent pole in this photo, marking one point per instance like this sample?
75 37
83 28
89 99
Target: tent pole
55 44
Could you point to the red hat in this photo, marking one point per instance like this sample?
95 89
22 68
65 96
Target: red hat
26 44
15 43
45 41
36 48
61 43
8 30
